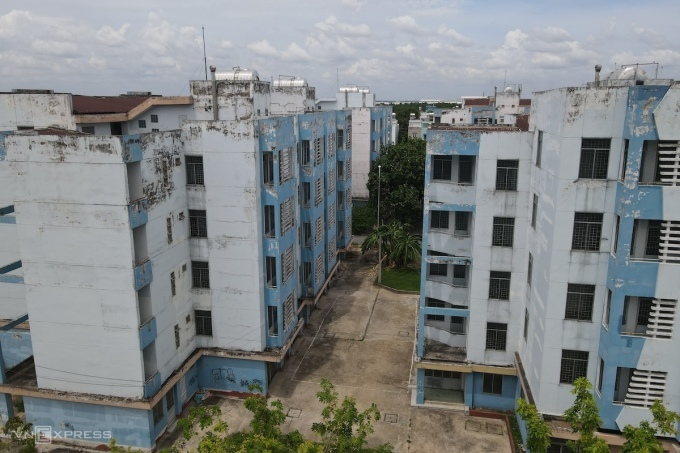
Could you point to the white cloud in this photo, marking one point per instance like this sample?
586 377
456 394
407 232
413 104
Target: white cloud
406 24
226 45
407 49
108 36
263 49
453 35
355 4
332 25
295 53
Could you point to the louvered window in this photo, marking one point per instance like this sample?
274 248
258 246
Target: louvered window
285 169
349 134
331 217
348 173
318 151
669 248
331 145
332 250
669 162
287 263
319 271
644 387
348 194
288 311
661 318
331 181
318 192
318 233
287 217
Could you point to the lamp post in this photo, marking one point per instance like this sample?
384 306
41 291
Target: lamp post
379 238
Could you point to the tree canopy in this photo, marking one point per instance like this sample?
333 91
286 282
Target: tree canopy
402 182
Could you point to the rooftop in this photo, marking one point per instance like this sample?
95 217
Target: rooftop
106 104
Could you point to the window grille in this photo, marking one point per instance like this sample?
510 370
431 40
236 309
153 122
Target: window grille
499 285
496 336
587 231
506 174
288 311
574 365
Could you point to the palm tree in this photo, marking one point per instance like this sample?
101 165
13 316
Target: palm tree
398 245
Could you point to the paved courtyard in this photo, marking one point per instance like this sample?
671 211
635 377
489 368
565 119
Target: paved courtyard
361 338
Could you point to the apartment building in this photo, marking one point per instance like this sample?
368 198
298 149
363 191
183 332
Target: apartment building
551 254
372 128
155 263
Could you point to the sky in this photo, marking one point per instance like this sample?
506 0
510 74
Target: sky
401 49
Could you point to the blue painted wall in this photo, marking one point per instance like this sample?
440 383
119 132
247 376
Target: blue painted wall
231 375
504 402
16 347
127 426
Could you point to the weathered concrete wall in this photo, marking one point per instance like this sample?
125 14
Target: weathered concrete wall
361 151
16 347
286 100
76 248
36 111
233 247
231 375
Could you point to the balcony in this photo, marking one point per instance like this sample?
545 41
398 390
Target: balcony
443 290
152 385
452 193
450 242
647 317
132 148
147 333
143 275
138 212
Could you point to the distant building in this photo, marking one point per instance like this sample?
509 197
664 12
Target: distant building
372 127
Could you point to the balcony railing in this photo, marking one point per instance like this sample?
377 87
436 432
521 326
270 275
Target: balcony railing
138 212
147 333
152 385
143 274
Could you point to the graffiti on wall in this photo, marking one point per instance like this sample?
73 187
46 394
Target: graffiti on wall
219 375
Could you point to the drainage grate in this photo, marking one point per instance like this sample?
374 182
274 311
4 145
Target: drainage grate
294 413
493 428
404 333
472 425
391 418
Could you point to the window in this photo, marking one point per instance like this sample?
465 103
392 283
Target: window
155 130
306 194
203 319
574 365
530 269
341 200
307 273
438 269
158 413
170 400
318 192
437 304
594 158
580 302
154 118
539 149
142 124
270 264
534 212
441 167
87 129
526 324
624 160
268 168
198 223
503 231
465 169
173 286
462 225
273 321
493 383
306 156
506 174
285 165
587 231
599 376
496 336
318 230
460 275
195 170
200 274
644 311
439 219
177 342
607 308
287 215
617 226
307 234
318 151
341 170
269 221
287 264
653 238
341 139
499 285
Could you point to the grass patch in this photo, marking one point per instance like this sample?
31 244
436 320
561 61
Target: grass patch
404 279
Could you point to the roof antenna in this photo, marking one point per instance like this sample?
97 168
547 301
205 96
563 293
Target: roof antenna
337 79
505 77
205 59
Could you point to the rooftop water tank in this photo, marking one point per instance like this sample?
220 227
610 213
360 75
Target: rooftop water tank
291 82
238 75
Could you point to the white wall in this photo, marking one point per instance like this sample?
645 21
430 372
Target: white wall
361 151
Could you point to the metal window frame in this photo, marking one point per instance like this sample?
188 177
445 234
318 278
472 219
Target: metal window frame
194 167
499 285
587 231
200 274
440 169
503 232
496 336
203 322
198 223
580 302
507 174
574 366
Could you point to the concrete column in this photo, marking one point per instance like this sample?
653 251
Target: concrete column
420 386
6 407
468 384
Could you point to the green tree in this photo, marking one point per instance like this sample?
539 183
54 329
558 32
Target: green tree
342 419
643 438
403 114
20 435
538 431
398 244
584 417
402 182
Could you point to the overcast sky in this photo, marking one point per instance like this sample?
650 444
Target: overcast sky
402 49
